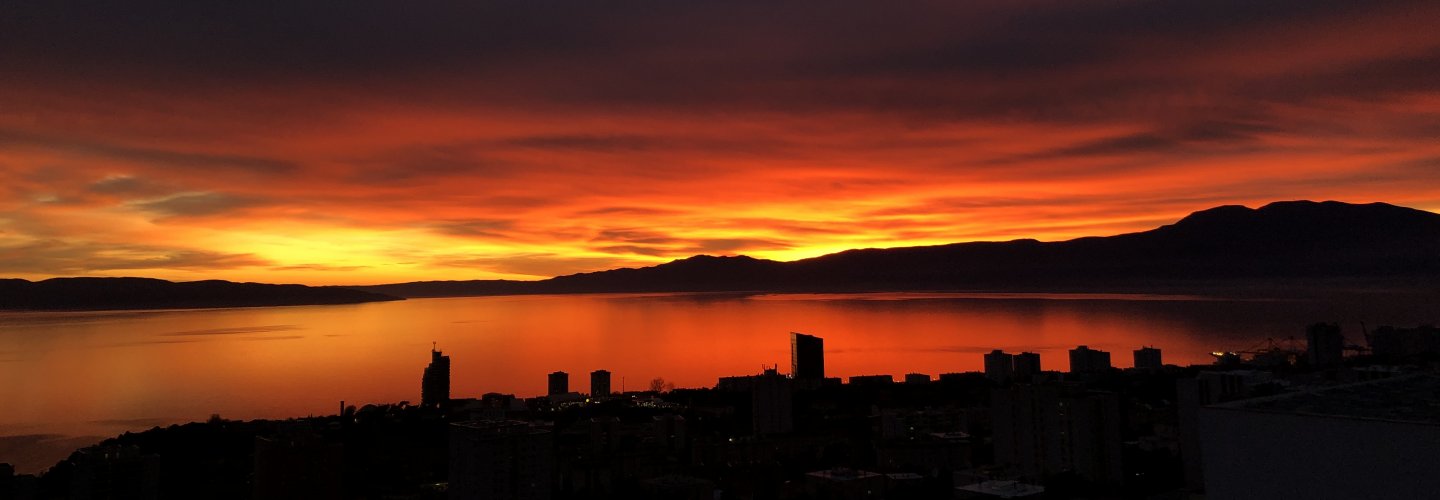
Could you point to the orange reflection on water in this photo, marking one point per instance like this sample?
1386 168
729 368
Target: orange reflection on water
104 373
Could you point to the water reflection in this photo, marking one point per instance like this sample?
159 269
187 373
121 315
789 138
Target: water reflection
78 374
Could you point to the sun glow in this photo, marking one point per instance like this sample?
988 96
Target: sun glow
593 152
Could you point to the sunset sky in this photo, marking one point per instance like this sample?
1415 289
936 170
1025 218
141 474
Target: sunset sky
363 142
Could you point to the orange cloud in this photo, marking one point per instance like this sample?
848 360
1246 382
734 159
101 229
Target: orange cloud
471 148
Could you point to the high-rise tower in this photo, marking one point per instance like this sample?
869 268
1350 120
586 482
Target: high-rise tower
599 383
1086 360
1148 358
999 366
435 385
559 383
807 356
1324 345
1027 365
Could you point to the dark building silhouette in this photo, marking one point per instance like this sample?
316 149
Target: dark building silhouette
19 487
1398 343
669 431
1148 358
435 384
999 366
844 484
772 401
1027 365
1086 360
599 383
7 481
559 383
1324 346
677 487
1049 430
872 380
110 471
298 464
917 378
501 460
807 356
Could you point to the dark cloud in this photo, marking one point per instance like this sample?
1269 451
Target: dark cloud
318 267
635 250
1035 58
1180 18
699 246
484 228
195 204
732 245
1126 144
61 258
1203 137
422 162
129 186
626 211
652 243
143 155
1366 79
583 135
1429 165
618 143
797 228
243 39
635 236
1085 206
537 265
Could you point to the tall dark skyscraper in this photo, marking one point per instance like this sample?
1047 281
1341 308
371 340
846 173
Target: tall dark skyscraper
559 383
807 356
599 383
435 384
1086 360
1324 345
772 401
1027 365
1148 358
999 366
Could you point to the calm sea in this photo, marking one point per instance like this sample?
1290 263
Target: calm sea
70 377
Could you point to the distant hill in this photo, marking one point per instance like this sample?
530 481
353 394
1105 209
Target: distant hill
146 293
1294 242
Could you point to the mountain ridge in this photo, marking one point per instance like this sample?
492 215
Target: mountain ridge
97 293
1293 242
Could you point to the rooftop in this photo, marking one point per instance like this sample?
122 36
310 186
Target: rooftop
842 474
501 427
1411 398
1003 489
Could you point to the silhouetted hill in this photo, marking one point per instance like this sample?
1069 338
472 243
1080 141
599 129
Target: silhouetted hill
146 293
1281 243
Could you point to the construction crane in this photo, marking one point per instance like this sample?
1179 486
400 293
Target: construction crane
1357 348
1267 353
